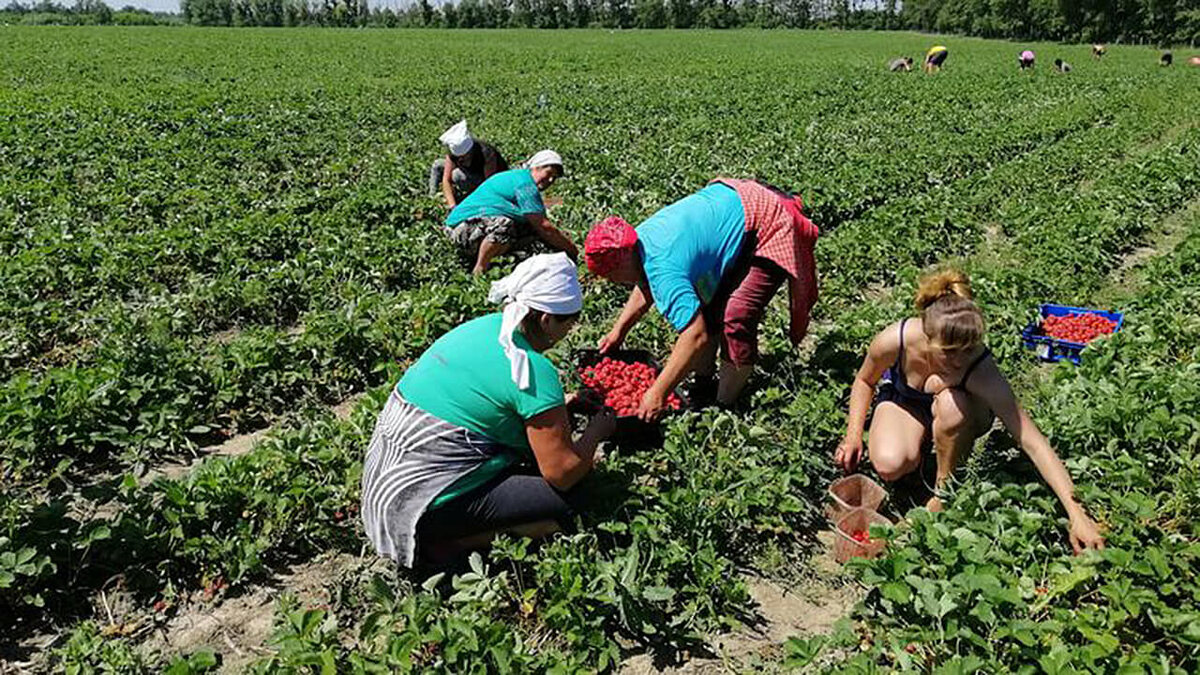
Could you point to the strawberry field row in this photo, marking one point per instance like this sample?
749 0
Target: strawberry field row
150 218
299 210
986 586
713 493
163 380
231 517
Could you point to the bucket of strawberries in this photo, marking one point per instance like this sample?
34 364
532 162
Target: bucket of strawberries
619 378
1062 332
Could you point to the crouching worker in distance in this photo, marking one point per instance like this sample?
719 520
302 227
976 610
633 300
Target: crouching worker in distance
711 263
506 213
468 162
475 439
937 379
935 58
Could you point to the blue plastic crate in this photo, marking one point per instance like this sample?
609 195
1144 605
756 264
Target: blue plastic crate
1051 349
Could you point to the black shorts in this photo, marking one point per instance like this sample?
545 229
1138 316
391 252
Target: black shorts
510 499
919 409
938 58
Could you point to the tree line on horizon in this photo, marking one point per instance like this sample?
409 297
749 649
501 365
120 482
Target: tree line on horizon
83 13
1163 22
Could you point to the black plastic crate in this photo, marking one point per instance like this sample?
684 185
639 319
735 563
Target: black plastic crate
629 427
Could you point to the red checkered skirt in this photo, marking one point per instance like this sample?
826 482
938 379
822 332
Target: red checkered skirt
785 237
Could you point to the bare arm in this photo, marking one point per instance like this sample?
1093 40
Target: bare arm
690 343
635 308
563 462
448 182
989 384
882 353
554 237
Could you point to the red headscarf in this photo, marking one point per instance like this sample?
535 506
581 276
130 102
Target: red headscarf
607 244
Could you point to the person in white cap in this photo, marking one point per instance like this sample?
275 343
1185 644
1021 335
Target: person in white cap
476 437
507 213
470 162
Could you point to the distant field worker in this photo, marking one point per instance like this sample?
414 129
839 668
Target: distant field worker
902 64
1166 59
475 439
938 382
1194 61
1099 50
935 57
468 163
1025 59
710 262
1061 66
507 213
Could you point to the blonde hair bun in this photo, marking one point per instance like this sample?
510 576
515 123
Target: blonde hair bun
949 316
939 284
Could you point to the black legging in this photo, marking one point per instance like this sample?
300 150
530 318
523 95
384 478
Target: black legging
512 498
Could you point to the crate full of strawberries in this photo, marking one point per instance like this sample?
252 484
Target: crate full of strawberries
620 378
1062 332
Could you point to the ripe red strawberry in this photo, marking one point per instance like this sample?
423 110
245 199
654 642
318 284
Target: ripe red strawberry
622 384
1077 328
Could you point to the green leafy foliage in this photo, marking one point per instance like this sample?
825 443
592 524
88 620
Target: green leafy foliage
988 577
212 232
88 650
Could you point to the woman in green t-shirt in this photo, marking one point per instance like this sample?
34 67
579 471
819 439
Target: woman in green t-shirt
475 439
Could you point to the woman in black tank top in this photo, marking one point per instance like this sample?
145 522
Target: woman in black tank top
938 385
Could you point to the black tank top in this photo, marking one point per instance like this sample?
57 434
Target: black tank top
907 391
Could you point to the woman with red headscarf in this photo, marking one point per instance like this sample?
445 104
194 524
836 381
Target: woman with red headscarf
710 262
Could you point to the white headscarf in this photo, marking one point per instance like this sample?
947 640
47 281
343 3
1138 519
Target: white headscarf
458 139
544 158
547 282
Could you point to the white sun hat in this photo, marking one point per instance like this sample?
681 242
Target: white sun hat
458 139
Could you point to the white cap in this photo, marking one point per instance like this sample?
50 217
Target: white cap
544 158
458 139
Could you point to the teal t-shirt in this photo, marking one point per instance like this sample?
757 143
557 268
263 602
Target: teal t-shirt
508 193
465 379
688 246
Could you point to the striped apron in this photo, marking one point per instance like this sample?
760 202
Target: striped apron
412 458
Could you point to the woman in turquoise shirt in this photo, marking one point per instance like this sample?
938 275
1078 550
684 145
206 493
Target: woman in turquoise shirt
507 213
710 262
476 439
